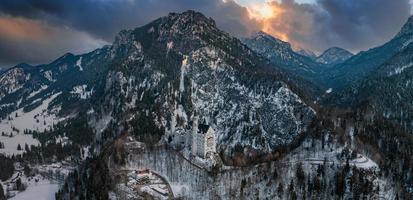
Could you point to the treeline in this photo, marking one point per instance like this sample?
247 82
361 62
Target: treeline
92 181
6 167
395 147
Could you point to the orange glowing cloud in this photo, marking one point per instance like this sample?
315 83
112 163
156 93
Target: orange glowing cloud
23 29
268 14
285 21
35 41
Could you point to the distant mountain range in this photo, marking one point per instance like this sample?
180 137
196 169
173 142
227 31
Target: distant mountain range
281 54
303 62
365 63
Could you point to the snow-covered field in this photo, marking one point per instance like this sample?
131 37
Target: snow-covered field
41 186
39 119
11 143
42 190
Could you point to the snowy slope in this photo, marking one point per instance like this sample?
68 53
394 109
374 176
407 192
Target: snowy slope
307 53
154 81
333 56
40 118
205 74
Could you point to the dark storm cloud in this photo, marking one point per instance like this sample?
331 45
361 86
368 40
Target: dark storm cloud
360 24
81 25
103 19
352 24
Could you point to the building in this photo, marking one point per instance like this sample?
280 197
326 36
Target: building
203 141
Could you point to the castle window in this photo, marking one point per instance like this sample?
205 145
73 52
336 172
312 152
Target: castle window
210 142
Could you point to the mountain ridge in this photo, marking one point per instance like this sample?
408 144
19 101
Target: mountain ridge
174 69
363 63
334 55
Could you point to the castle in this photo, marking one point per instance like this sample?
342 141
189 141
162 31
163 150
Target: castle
203 141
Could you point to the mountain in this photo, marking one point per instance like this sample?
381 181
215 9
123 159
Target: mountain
364 63
307 53
386 93
333 56
154 82
281 54
128 112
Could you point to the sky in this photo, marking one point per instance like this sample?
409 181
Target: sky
39 31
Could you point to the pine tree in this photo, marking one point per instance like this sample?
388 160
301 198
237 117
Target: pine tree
26 170
300 174
26 147
275 174
19 148
340 184
294 196
280 190
291 187
2 197
19 185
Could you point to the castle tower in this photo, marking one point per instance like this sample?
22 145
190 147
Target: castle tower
194 148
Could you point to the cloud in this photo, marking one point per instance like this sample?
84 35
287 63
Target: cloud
80 25
103 19
352 24
33 41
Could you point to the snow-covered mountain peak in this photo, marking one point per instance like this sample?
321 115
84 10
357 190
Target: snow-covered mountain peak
308 53
272 41
334 55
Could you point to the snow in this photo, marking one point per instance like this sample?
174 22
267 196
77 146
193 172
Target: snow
81 91
10 143
11 81
49 75
137 45
405 44
79 64
169 45
179 190
86 152
42 190
399 70
183 67
43 185
102 123
28 120
363 162
143 181
43 87
63 140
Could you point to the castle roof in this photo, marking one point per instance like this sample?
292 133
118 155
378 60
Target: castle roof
203 128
